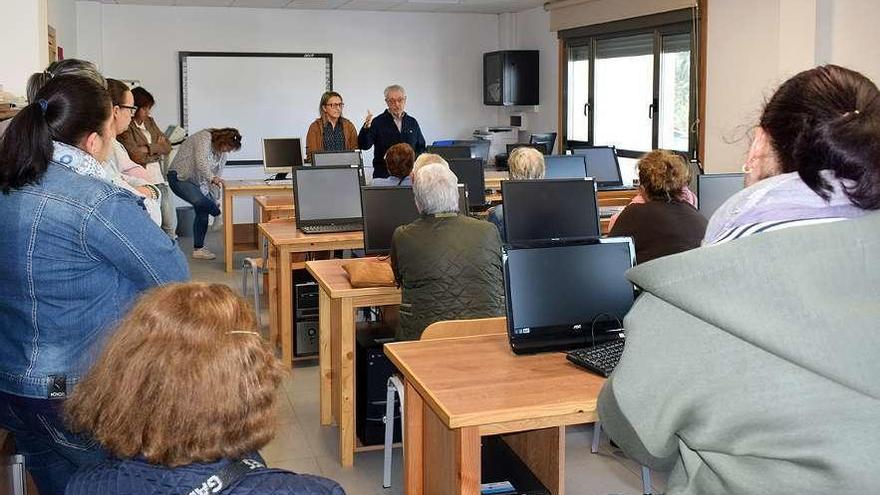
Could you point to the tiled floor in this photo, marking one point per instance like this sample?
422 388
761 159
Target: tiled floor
302 445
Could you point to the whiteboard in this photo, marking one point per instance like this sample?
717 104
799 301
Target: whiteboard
263 95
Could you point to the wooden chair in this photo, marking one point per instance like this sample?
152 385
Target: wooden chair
448 329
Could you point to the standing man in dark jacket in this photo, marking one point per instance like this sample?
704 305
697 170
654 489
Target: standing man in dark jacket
448 265
391 127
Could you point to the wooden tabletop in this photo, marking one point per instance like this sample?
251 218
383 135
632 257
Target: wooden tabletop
275 203
333 279
476 381
284 231
256 184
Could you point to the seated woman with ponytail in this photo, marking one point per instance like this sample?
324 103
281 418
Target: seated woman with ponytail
76 251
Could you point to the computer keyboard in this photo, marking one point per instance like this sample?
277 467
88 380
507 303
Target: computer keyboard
601 359
609 211
324 229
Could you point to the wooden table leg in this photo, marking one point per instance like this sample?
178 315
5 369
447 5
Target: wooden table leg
413 451
451 461
228 245
543 451
273 261
325 314
346 382
285 303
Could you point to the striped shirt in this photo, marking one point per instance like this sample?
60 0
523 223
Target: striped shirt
770 226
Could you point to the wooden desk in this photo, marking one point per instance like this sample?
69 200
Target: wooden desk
268 208
493 179
458 390
285 240
337 307
234 188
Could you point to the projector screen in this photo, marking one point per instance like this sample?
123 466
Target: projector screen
263 95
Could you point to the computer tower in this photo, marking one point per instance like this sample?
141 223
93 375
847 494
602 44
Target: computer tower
305 311
373 371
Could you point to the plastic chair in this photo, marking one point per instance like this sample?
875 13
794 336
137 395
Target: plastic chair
439 330
647 489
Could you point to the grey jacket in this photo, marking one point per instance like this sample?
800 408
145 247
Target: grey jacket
753 367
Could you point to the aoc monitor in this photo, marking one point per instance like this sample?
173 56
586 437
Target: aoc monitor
602 165
566 295
550 209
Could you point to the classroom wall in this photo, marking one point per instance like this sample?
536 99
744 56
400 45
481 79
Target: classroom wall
62 16
24 42
755 45
437 57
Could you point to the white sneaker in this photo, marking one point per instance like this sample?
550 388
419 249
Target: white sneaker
202 253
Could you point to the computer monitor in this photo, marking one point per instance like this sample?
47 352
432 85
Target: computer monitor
327 195
279 154
479 147
714 189
450 152
564 167
538 146
602 165
386 208
337 158
548 139
548 209
563 296
470 173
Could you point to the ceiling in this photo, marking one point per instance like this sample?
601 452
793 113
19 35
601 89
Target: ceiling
455 6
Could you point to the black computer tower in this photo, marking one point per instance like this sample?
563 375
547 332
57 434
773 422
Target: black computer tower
305 312
373 370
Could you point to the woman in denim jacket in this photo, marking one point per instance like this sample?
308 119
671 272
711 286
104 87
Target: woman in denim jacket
76 251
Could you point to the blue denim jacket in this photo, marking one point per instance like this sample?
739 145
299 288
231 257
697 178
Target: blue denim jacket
75 251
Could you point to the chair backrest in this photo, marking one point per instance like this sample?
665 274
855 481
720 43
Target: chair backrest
465 328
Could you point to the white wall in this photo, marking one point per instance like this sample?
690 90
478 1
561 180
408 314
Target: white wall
62 16
437 57
853 37
24 47
531 31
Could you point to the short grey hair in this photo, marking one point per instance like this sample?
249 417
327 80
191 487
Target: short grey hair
394 88
436 191
427 159
526 163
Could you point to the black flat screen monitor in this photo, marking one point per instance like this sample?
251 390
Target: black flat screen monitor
564 296
450 152
386 208
714 189
479 148
565 167
327 195
336 158
536 210
279 154
470 173
602 165
542 147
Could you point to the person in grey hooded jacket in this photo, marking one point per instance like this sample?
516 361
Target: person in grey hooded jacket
751 366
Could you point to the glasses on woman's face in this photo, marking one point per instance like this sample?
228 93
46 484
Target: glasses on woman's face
335 105
132 110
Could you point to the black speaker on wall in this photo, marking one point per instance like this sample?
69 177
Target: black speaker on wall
510 77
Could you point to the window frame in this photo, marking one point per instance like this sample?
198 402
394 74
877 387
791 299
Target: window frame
665 24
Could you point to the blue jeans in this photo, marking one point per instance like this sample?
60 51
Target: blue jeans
52 453
203 205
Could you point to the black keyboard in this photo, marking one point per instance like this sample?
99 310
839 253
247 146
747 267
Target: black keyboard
601 359
324 229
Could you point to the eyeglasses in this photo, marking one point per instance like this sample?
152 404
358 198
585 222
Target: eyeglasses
131 110
395 100
335 105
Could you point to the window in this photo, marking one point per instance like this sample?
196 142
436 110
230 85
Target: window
630 84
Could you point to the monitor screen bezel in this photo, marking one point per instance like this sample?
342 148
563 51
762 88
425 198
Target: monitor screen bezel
458 147
286 168
360 156
368 249
700 179
602 184
326 221
516 338
536 183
